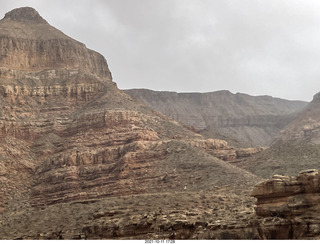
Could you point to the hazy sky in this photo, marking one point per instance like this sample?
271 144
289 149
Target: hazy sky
258 47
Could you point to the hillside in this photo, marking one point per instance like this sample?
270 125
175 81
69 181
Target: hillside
239 118
306 127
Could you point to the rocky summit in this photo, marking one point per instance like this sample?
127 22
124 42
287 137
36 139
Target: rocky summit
80 159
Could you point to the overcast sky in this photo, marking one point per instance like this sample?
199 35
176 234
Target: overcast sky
258 47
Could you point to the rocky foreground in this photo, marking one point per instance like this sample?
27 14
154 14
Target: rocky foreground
286 208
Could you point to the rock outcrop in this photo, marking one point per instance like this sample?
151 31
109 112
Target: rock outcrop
287 196
254 120
292 202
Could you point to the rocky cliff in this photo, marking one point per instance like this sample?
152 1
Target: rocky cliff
29 43
253 120
70 138
292 203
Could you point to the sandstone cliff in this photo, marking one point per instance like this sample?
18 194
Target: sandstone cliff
29 43
292 204
253 120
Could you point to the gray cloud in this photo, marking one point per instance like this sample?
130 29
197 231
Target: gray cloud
252 46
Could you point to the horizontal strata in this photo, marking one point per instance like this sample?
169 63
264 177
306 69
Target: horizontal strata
69 135
256 120
36 55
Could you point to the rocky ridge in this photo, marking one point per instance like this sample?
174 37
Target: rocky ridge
239 118
29 43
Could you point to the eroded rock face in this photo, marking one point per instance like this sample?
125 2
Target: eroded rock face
292 202
297 147
288 196
29 43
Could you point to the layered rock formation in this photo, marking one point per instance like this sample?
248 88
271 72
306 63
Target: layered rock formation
292 202
243 118
306 127
29 43
296 148
286 208
69 136
80 159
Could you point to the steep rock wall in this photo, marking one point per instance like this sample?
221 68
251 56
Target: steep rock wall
28 42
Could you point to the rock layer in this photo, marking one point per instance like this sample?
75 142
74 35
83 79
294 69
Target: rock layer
289 197
68 134
29 43
306 127
293 202
253 120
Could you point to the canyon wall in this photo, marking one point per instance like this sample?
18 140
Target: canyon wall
255 120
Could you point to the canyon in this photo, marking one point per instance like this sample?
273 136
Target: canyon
81 159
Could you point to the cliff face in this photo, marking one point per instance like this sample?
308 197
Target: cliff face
254 120
292 203
29 43
44 73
